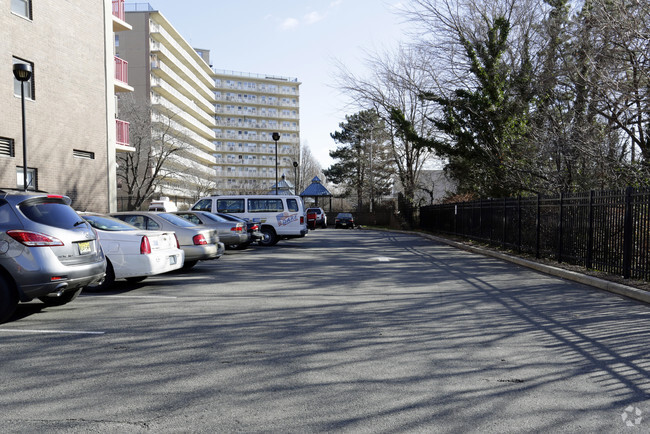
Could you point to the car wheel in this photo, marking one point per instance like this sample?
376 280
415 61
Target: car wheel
135 279
269 237
8 300
66 297
109 279
189 264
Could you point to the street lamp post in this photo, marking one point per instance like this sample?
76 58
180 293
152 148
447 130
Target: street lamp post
295 176
22 73
276 137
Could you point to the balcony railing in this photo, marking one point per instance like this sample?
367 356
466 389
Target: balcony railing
122 133
121 70
118 9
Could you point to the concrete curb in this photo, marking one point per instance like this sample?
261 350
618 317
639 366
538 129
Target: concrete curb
616 288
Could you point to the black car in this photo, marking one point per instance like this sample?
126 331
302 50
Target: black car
344 220
252 227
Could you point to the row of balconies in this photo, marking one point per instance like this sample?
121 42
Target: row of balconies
221 135
122 142
282 149
181 101
170 59
255 125
163 72
182 117
160 34
200 143
254 113
251 101
278 91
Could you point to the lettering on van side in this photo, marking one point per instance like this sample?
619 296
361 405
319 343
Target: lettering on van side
285 219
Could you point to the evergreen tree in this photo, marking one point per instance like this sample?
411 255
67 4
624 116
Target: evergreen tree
363 166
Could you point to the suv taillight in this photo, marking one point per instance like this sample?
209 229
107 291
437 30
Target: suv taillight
178 245
34 239
199 240
145 246
302 219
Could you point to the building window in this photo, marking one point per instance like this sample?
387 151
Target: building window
22 8
83 154
32 178
7 147
29 84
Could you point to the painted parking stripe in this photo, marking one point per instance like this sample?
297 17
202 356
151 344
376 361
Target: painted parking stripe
66 332
131 296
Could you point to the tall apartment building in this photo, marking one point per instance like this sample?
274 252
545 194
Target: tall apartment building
223 120
249 108
72 131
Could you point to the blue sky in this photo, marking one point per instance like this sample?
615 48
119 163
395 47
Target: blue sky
292 38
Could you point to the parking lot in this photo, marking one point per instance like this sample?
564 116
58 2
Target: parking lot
341 331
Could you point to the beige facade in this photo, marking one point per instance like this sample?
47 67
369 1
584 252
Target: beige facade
224 119
70 109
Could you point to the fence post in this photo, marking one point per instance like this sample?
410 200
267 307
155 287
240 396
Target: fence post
590 232
627 234
560 231
537 223
519 223
505 222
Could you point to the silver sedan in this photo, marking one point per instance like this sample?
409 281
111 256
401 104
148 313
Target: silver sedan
232 234
198 243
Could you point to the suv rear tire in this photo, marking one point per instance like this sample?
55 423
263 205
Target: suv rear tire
8 300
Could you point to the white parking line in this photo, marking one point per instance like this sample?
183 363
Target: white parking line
131 296
68 332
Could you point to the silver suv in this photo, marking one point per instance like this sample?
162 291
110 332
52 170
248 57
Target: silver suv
46 251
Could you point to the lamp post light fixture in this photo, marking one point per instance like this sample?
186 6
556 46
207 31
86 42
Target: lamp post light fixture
295 176
276 137
22 73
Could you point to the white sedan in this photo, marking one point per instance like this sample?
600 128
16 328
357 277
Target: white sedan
132 253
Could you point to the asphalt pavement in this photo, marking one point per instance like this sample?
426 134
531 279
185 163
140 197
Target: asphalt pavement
341 331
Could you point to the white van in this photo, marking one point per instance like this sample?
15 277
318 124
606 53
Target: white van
279 217
163 204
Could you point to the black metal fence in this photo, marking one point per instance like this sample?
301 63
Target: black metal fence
607 231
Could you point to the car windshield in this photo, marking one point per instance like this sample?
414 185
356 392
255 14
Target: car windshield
176 220
51 212
214 217
344 215
105 223
231 218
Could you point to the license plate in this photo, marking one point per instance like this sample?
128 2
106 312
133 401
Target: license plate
172 260
85 247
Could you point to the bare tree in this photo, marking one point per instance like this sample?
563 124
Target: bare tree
140 172
397 81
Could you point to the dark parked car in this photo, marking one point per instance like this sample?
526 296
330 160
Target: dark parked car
344 220
232 233
252 227
47 251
